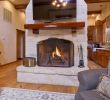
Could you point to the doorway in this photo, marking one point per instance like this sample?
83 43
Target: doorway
20 44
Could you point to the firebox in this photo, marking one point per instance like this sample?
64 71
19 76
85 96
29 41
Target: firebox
55 52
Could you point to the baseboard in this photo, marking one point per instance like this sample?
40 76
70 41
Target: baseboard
9 63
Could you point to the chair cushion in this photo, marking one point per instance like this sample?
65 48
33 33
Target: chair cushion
104 86
89 95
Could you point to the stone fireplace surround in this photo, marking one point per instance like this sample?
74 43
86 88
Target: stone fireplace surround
53 75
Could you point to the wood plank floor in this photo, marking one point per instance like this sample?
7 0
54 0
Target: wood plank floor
8 79
93 65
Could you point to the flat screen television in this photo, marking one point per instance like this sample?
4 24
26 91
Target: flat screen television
44 10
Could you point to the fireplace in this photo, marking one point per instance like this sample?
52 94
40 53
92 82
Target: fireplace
55 52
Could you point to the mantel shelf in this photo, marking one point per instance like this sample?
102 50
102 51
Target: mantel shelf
71 25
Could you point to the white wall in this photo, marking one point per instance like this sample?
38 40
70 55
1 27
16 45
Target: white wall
8 32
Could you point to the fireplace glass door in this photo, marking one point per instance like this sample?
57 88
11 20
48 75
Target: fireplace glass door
55 52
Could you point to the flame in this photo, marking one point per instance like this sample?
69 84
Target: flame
56 52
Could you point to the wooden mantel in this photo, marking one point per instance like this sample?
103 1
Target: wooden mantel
71 25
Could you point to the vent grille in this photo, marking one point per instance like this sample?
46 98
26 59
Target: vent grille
7 15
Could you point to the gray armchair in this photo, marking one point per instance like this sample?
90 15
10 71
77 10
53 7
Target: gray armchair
88 81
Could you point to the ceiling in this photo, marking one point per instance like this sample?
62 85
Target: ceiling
94 6
96 1
26 1
19 2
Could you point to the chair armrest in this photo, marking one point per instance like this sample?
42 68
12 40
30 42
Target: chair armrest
89 79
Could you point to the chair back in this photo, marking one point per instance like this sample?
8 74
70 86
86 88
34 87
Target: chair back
108 66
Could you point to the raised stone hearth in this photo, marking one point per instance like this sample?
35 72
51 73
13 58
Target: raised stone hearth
51 74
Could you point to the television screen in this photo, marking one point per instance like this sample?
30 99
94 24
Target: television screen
44 10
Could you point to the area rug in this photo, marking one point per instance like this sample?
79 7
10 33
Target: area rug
26 94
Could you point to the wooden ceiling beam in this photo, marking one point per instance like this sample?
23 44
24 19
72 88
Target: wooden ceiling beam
96 1
21 6
94 12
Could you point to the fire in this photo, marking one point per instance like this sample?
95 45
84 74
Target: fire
56 52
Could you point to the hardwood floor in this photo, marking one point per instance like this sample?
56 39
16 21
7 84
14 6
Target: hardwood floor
8 79
93 65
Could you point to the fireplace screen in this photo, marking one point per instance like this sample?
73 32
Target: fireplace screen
55 52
